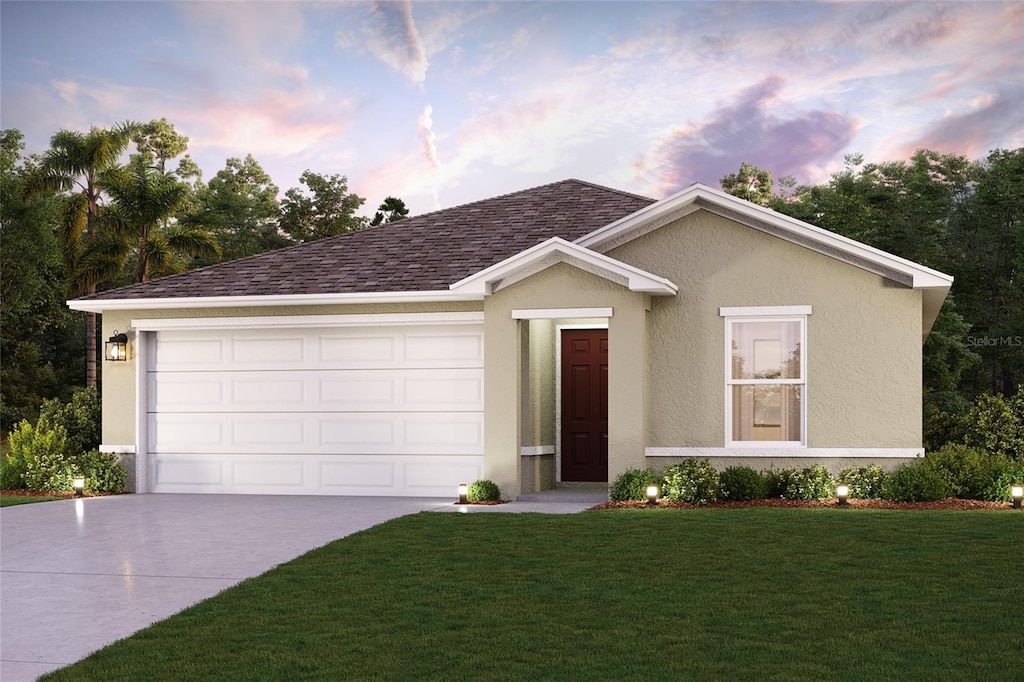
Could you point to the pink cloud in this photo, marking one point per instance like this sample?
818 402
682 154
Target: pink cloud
976 132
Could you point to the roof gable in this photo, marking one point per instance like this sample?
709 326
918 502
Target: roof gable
554 251
934 284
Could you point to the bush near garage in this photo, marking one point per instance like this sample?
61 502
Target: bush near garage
483 491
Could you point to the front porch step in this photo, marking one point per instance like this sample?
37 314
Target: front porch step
566 494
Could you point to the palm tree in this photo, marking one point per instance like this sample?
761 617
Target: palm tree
143 200
79 164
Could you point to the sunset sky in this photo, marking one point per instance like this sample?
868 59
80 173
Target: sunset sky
441 103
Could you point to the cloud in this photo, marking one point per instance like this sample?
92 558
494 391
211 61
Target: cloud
392 37
990 120
755 129
67 90
425 125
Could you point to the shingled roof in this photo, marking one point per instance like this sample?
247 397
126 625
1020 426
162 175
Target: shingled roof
423 253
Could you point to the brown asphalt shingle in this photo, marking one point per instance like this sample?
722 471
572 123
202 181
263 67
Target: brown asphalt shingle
422 253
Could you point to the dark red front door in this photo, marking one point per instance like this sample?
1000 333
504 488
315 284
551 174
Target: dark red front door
585 405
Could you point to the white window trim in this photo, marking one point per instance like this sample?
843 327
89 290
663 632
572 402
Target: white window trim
763 314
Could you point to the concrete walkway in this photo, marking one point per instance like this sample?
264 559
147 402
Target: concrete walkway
76 575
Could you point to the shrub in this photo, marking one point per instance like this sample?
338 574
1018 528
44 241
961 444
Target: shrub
12 472
914 483
47 467
777 482
483 491
691 481
965 470
996 424
865 483
632 484
812 483
1003 475
741 484
101 471
81 419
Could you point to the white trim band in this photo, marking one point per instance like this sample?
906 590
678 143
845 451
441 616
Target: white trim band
100 305
559 313
795 452
292 321
117 449
534 450
758 311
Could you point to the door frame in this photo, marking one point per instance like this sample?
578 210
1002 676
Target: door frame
558 387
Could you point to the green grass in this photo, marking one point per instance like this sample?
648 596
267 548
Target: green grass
11 500
766 594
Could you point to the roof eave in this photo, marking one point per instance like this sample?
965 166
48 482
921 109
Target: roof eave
183 302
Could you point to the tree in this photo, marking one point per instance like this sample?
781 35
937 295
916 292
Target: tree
144 199
750 183
158 142
329 211
36 362
985 248
79 163
239 207
391 210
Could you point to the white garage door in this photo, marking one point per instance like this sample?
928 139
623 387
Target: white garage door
328 411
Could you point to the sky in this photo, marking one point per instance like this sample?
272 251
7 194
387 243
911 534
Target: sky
442 103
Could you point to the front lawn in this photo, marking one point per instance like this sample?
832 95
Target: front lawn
615 595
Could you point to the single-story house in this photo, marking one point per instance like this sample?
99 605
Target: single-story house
561 333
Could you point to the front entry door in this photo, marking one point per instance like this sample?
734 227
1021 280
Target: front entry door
585 405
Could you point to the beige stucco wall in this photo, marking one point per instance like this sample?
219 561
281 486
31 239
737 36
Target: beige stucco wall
561 286
863 336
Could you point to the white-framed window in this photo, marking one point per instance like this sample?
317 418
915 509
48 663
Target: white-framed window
766 375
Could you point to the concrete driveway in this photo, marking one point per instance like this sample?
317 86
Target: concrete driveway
76 575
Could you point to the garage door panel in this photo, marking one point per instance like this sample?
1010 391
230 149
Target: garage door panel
282 474
337 390
363 350
268 352
318 433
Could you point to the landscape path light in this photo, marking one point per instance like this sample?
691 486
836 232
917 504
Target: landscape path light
79 486
652 495
843 492
463 493
1017 492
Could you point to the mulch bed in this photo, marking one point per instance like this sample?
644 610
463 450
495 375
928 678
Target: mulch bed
949 503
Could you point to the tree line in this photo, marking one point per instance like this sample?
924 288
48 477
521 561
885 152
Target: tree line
79 219
958 216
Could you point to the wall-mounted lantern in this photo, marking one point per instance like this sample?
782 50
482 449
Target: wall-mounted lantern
116 347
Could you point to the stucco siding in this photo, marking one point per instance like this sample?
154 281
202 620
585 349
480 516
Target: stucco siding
863 337
562 286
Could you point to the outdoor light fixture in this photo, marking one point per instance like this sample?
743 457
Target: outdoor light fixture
842 492
1016 492
652 495
463 493
79 487
116 347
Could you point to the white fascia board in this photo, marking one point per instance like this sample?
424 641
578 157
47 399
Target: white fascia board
923 277
307 321
484 282
102 305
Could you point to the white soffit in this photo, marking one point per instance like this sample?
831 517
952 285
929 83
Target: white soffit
557 250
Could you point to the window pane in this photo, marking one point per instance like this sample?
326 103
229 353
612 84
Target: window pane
766 350
766 412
